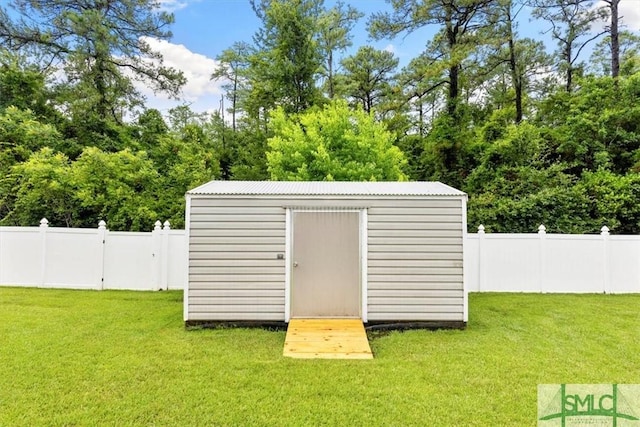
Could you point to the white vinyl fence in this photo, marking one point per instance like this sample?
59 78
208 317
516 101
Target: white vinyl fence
81 258
552 262
101 259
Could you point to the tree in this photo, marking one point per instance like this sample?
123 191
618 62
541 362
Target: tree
628 57
185 159
23 86
332 144
44 187
367 75
334 27
21 135
597 126
512 61
116 187
614 199
98 43
417 89
571 24
151 126
286 61
459 22
512 65
234 62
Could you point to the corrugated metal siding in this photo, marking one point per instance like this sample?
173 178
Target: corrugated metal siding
326 188
414 256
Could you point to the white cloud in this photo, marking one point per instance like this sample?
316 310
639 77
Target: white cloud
629 12
390 48
202 93
172 5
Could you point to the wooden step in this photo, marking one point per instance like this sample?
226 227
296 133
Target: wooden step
327 339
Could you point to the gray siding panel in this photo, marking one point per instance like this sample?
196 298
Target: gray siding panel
417 225
415 210
272 249
426 247
255 291
417 315
237 316
231 286
236 277
250 310
418 293
436 284
388 232
415 263
414 256
213 225
222 255
423 263
234 273
417 217
396 281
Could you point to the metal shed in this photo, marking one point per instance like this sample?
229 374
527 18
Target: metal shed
384 252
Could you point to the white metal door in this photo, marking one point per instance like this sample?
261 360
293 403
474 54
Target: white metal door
325 279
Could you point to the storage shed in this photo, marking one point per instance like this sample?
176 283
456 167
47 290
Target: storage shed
384 252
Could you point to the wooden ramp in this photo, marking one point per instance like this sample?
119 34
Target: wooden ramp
327 339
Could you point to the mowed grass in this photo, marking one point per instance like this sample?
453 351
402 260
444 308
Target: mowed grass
125 358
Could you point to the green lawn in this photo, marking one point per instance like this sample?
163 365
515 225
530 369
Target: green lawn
125 358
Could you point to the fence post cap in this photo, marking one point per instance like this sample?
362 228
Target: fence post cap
604 230
542 229
157 225
167 225
481 229
44 222
102 225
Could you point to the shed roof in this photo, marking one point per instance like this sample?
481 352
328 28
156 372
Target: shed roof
326 188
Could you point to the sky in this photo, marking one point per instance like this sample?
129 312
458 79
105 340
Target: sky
204 28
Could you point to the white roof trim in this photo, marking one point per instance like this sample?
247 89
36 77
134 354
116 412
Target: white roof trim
325 188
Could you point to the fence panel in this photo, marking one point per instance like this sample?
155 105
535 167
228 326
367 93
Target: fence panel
624 263
21 256
176 260
129 261
509 262
573 263
73 259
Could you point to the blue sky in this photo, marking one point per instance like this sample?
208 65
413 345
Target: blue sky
209 26
204 28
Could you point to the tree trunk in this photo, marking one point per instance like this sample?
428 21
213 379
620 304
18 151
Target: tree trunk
515 76
330 74
421 117
454 70
615 43
234 101
454 90
567 58
102 107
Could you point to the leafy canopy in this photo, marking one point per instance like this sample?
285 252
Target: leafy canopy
334 143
